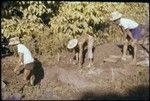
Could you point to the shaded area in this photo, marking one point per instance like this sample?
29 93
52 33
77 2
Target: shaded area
100 26
46 17
129 49
38 71
136 93
5 51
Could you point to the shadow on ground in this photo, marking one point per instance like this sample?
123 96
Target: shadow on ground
38 71
136 93
130 49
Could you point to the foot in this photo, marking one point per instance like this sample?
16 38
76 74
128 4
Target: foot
89 65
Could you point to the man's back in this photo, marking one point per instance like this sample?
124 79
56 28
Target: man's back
27 56
82 39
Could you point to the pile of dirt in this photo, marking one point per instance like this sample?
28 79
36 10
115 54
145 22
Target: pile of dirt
61 79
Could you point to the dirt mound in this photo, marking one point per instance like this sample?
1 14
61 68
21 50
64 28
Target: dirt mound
63 80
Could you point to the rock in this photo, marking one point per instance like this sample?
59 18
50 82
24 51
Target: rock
144 63
72 78
32 80
3 84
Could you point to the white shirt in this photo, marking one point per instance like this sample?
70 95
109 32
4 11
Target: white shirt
27 57
127 23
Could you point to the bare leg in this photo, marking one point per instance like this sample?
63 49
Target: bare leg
90 56
80 55
32 79
134 45
90 52
26 74
125 50
77 57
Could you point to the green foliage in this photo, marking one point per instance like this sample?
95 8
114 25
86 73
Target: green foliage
66 20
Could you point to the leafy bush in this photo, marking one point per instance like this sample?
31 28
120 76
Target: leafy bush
46 26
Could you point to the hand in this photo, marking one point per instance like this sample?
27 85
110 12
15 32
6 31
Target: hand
15 70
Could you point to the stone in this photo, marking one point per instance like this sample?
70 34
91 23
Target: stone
144 62
3 84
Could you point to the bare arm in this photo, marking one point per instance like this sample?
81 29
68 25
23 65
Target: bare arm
80 54
123 33
20 59
19 62
127 32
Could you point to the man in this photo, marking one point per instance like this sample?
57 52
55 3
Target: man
131 31
79 44
26 61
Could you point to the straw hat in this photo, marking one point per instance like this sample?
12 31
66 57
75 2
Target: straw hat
115 15
14 41
72 43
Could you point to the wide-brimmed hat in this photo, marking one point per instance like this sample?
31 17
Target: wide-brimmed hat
115 15
72 43
14 41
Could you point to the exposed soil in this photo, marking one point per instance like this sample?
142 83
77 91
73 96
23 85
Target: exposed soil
65 81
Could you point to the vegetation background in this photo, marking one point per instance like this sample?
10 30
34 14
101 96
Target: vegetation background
46 26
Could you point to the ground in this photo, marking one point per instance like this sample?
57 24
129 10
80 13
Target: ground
65 81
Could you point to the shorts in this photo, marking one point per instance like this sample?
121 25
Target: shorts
90 53
136 33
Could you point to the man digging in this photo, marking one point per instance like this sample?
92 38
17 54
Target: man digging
78 46
131 31
26 61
